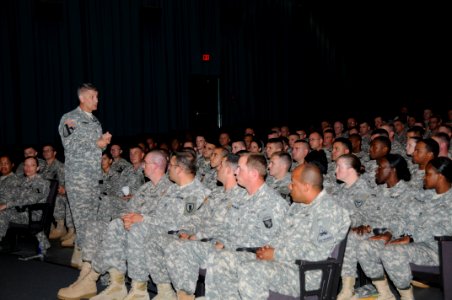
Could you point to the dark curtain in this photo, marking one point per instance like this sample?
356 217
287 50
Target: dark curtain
277 61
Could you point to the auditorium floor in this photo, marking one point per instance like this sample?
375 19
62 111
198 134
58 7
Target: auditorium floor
34 279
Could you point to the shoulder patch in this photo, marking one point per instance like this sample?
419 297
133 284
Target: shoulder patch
268 221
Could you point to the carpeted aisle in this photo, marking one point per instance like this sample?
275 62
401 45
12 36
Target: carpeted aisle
32 280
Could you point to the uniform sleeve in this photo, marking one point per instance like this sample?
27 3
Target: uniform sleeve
36 194
317 244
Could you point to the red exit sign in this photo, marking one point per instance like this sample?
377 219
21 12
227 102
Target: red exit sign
206 57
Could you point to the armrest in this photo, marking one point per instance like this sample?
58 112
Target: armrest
444 238
314 265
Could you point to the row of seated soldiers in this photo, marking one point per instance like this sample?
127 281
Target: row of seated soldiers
207 168
171 228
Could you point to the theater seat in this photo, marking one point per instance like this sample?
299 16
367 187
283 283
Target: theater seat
331 272
441 275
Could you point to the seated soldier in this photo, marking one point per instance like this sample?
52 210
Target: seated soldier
313 225
254 219
418 246
33 189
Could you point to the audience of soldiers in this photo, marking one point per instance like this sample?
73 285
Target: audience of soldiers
244 213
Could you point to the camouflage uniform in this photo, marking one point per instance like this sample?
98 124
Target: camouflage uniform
120 165
184 258
31 190
112 205
352 198
254 222
82 167
363 156
311 233
397 148
417 178
210 179
187 211
281 186
381 211
330 183
434 220
369 175
202 168
365 143
8 186
112 250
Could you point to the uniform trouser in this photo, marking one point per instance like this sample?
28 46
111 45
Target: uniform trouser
183 261
350 263
395 259
95 232
83 195
11 215
257 278
222 279
62 211
156 244
111 207
123 250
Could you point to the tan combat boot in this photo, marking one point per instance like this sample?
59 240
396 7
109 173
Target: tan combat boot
182 295
58 231
139 291
84 270
165 292
116 290
76 259
406 294
69 234
348 288
85 288
384 292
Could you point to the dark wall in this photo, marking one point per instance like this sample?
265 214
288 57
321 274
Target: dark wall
277 62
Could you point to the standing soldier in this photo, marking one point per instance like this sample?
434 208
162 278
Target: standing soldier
83 141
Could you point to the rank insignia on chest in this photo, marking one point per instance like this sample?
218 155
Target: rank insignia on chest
358 203
324 235
189 207
268 222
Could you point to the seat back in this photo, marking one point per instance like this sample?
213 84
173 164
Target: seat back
43 223
47 213
438 275
445 262
331 272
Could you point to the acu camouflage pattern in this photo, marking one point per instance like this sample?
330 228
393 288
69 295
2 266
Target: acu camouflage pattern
434 220
184 258
120 165
8 186
31 190
188 219
254 220
281 186
310 233
353 198
107 242
82 167
113 205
